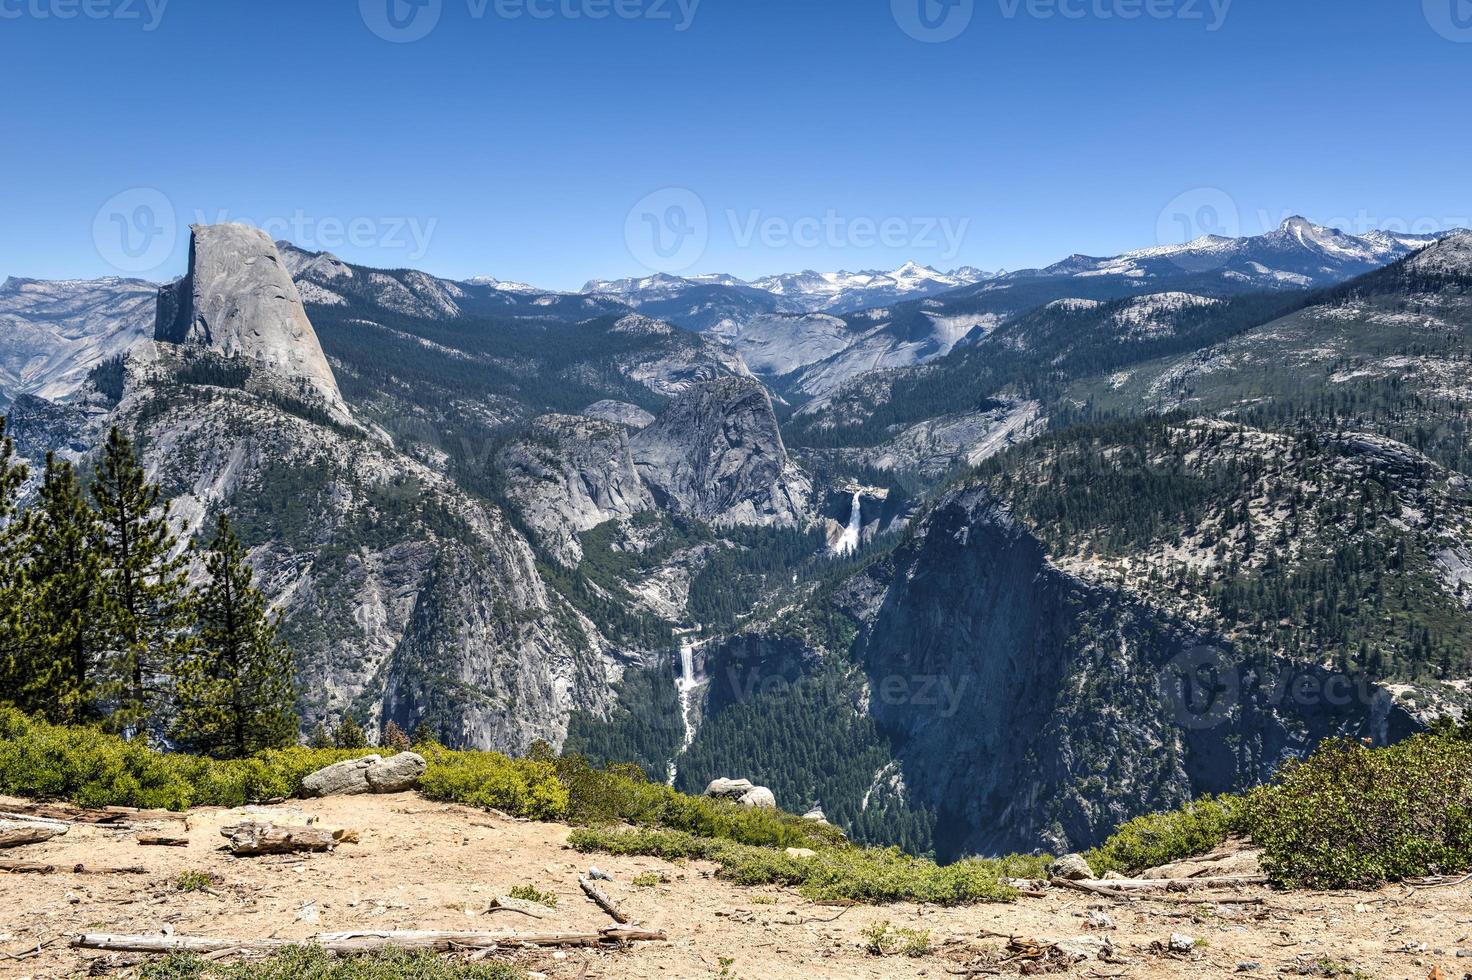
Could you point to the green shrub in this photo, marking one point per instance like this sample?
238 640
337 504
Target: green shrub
1355 817
837 873
522 788
195 881
531 893
312 963
1148 842
883 939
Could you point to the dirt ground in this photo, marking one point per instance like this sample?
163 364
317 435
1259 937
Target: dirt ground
422 865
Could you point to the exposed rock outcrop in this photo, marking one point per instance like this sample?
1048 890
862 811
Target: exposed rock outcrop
742 791
370 774
716 453
238 300
568 475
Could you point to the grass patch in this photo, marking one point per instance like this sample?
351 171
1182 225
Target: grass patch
195 881
648 879
531 893
883 939
838 873
312 963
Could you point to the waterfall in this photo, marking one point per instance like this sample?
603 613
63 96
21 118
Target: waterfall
849 543
685 684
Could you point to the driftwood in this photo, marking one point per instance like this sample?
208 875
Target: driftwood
160 840
604 902
68 814
367 942
14 833
38 868
1181 884
250 839
1141 895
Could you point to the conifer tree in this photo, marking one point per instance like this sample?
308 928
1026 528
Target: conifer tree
349 734
235 688
12 576
147 612
61 640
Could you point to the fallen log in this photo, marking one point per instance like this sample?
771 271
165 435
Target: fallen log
30 818
252 839
1182 884
26 868
607 904
159 840
1139 895
67 814
367 942
14 833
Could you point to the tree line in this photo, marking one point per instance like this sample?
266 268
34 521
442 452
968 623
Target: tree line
100 622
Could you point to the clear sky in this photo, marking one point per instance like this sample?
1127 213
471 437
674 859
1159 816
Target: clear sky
742 136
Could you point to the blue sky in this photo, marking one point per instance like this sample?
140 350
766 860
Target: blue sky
760 135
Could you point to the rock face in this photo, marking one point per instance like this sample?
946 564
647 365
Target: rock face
716 454
238 300
370 774
621 413
568 475
1038 710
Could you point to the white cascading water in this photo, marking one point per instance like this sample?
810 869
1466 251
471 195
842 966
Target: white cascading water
685 684
849 543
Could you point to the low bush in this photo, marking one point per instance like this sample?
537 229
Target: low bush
836 873
1353 817
312 963
531 893
1148 842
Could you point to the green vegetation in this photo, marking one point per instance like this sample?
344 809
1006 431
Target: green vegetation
235 684
836 873
1150 841
647 879
1350 817
194 881
98 622
313 963
883 939
531 893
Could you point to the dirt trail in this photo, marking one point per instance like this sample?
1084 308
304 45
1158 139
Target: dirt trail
424 865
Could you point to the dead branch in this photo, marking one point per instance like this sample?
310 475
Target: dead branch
367 942
604 902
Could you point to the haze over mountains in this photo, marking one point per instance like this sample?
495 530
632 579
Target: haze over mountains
952 542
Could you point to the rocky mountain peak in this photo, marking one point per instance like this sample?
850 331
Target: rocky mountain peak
716 453
1451 256
238 299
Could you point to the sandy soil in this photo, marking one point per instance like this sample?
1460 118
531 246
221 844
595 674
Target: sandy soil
422 865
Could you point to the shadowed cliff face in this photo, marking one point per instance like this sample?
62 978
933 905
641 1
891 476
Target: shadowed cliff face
1031 709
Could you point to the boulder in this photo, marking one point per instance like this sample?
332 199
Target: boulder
816 815
370 774
1072 867
759 797
742 791
801 852
729 789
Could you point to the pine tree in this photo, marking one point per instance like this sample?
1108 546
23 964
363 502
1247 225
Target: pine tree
61 642
147 612
12 576
235 685
394 738
349 734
